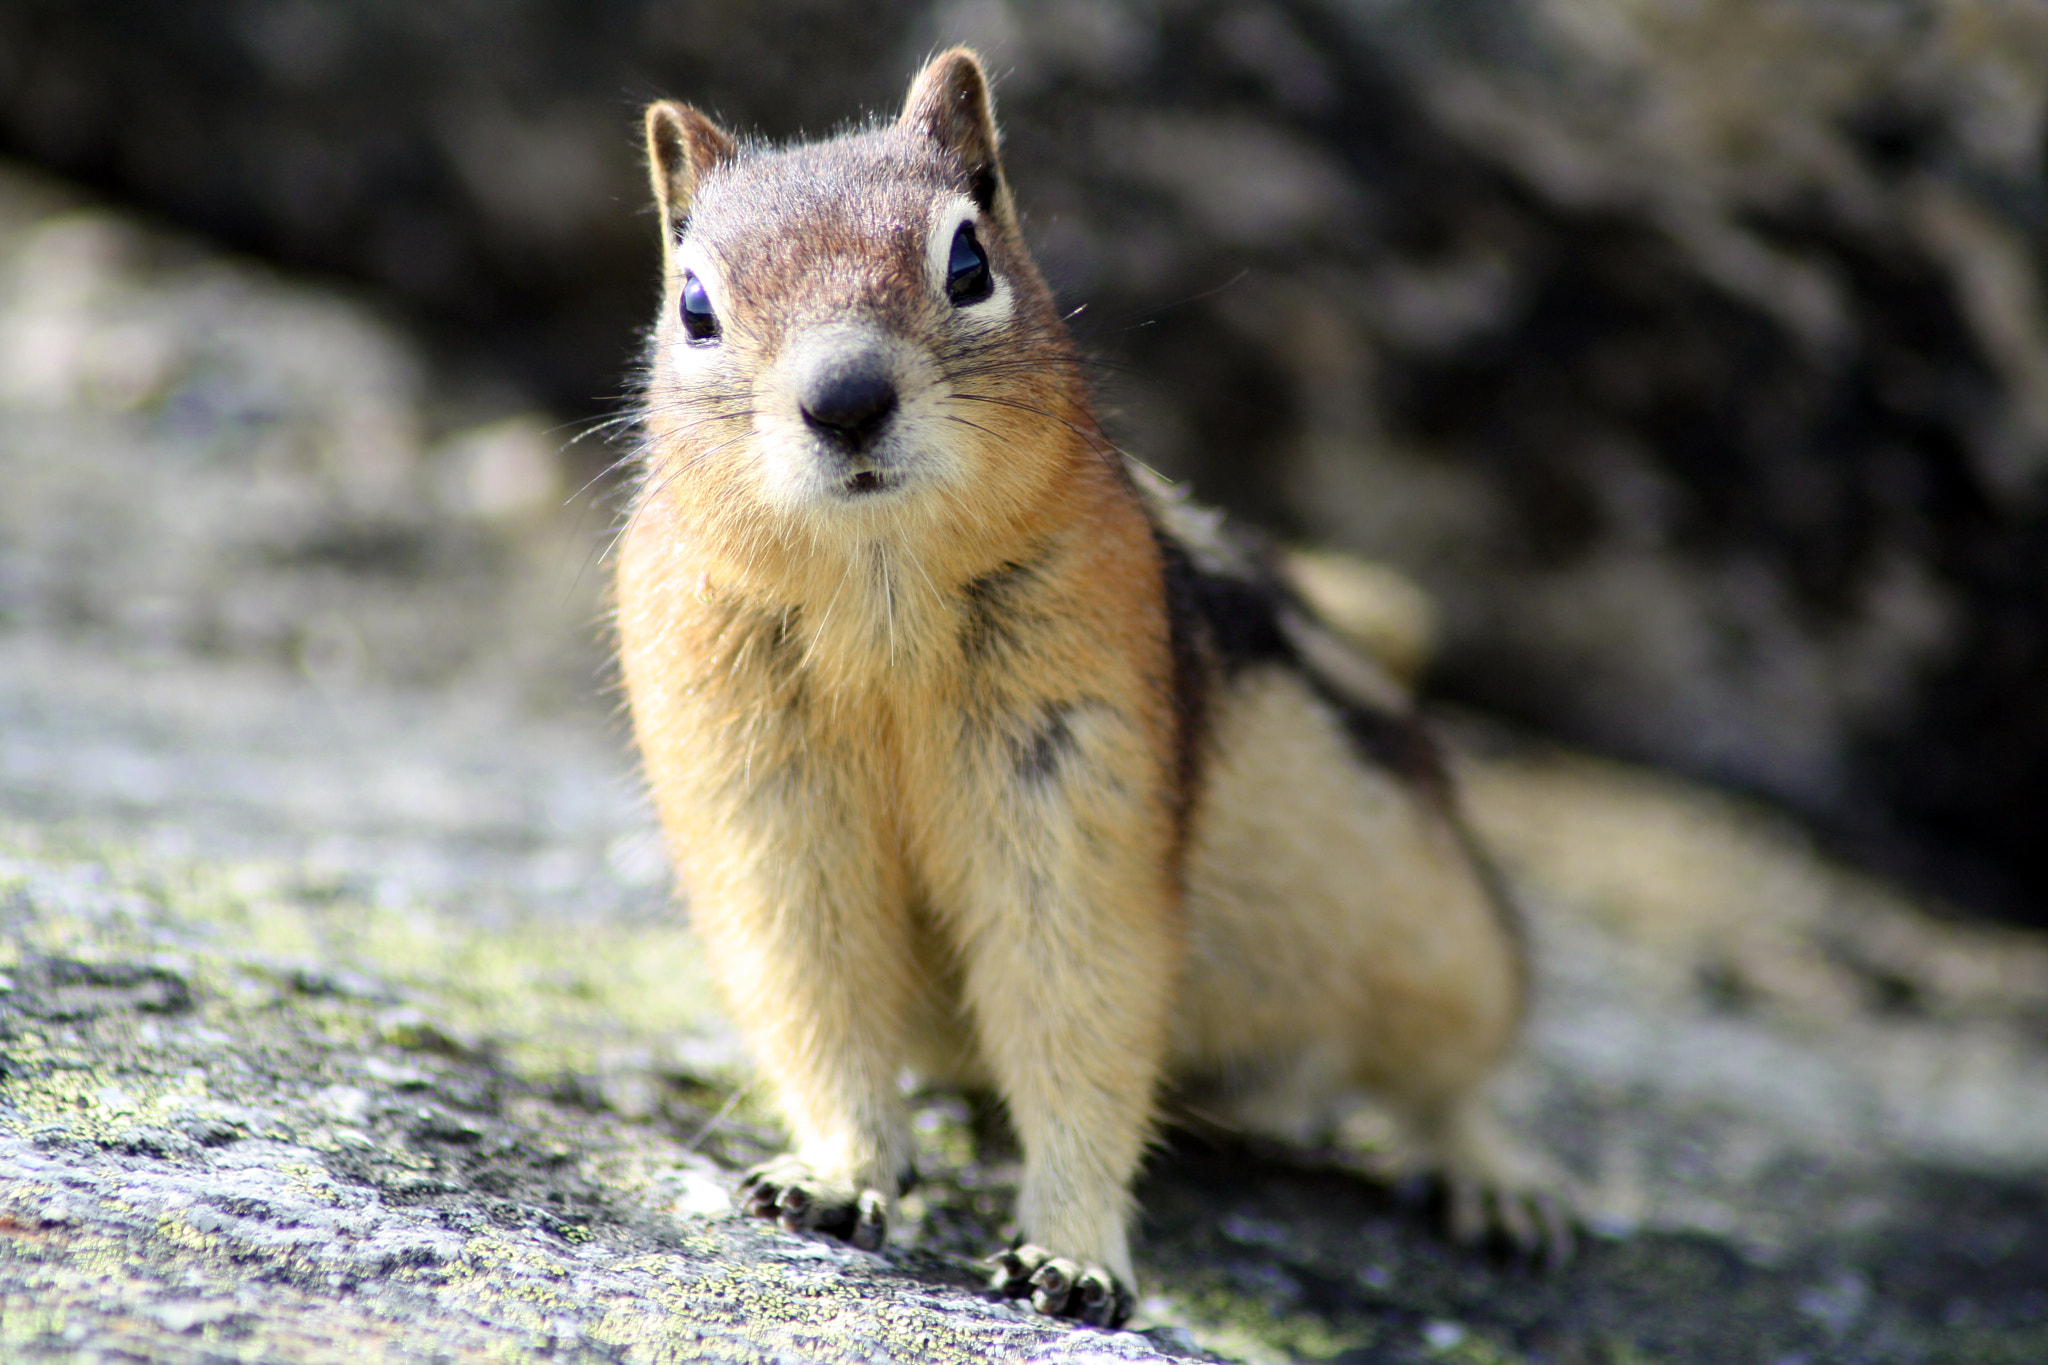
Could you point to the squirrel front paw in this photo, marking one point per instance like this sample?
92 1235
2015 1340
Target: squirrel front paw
1060 1288
788 1191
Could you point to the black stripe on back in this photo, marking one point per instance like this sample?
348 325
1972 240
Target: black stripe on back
1235 619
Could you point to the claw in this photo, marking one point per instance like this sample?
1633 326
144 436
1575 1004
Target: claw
788 1193
1466 1212
1051 1286
1535 1224
1058 1287
871 1222
1560 1231
789 1208
1511 1216
1102 1302
1010 1278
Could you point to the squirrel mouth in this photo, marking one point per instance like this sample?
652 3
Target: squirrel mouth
866 481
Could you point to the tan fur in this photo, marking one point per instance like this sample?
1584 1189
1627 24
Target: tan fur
1378 612
937 784
1402 958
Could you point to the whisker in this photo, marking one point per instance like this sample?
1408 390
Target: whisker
954 417
648 494
1147 316
1094 438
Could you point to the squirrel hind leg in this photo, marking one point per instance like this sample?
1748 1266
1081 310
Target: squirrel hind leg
1297 1102
1496 1189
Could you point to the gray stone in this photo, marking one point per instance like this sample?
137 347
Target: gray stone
1692 352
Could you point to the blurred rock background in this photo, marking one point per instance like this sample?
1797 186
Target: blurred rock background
1692 353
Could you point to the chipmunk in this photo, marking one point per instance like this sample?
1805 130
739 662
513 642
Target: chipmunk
981 752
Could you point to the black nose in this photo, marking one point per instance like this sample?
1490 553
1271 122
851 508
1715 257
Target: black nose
847 397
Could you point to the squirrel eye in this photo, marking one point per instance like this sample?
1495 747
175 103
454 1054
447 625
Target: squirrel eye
967 277
699 322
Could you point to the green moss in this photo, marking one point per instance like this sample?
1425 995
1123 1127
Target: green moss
1238 1325
549 998
1615 1351
1474 1349
1977 1346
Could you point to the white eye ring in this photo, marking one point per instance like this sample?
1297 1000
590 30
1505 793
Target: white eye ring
970 279
697 268
988 310
700 319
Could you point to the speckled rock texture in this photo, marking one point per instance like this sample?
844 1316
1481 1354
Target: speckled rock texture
343 1014
214 1146
1692 353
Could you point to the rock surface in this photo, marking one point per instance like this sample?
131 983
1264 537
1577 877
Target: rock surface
342 1014
1692 353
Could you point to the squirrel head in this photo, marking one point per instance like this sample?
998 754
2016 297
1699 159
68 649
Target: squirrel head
854 342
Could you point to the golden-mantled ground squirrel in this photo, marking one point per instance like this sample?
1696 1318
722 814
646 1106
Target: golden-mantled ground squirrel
983 754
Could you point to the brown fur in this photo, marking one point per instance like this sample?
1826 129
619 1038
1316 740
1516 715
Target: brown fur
980 773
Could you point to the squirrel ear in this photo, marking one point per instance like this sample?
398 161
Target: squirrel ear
682 146
949 103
